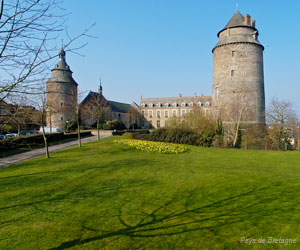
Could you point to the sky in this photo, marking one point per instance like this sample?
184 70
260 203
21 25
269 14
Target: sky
163 48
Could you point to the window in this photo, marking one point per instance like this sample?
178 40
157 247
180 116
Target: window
207 112
143 113
158 123
191 104
166 113
61 118
217 113
158 113
233 54
151 105
174 112
158 105
183 104
61 104
143 105
232 73
167 104
206 104
183 112
191 111
174 104
150 113
166 123
216 93
150 122
199 104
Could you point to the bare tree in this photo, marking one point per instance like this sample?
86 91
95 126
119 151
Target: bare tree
98 109
235 113
17 113
27 29
281 119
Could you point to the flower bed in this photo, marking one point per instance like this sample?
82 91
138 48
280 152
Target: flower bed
150 146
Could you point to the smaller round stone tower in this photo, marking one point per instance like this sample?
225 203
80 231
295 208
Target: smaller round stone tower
61 94
238 77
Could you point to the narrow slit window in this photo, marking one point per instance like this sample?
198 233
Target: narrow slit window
233 54
232 73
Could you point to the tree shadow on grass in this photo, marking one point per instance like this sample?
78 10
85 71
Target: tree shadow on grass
170 218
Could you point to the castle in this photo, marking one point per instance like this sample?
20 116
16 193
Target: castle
63 107
237 89
238 81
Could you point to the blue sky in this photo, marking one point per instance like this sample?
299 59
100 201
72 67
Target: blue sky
158 48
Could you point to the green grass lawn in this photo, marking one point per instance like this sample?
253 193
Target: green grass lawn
110 196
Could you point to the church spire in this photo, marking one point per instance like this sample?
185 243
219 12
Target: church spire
100 87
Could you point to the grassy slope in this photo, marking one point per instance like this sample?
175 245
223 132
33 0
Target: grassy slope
110 196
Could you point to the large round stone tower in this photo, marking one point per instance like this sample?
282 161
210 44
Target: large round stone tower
238 78
61 95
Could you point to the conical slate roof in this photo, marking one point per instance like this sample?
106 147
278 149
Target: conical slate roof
61 72
62 64
236 20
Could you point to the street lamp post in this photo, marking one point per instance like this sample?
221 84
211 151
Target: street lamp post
67 126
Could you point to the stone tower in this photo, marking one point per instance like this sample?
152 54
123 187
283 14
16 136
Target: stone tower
61 94
238 78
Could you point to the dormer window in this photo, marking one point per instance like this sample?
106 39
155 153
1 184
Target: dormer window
183 104
207 104
143 105
158 105
167 104
151 105
174 104
199 104
191 104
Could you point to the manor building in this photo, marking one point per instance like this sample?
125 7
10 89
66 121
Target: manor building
158 111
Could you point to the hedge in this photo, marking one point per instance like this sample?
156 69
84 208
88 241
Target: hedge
121 132
36 140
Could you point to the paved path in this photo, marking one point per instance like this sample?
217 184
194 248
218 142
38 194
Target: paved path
17 158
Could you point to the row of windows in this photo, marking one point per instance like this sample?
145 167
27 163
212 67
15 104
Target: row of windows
174 113
183 104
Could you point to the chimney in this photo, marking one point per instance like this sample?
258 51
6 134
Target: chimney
180 95
253 22
247 19
195 94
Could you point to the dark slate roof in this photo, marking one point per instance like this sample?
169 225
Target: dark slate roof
62 64
94 96
236 20
119 107
61 72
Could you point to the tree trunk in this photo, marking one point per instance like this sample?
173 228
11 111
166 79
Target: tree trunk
45 142
98 132
236 135
78 132
19 128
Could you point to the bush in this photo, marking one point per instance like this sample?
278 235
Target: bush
175 135
128 135
70 125
114 125
134 126
6 129
195 129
